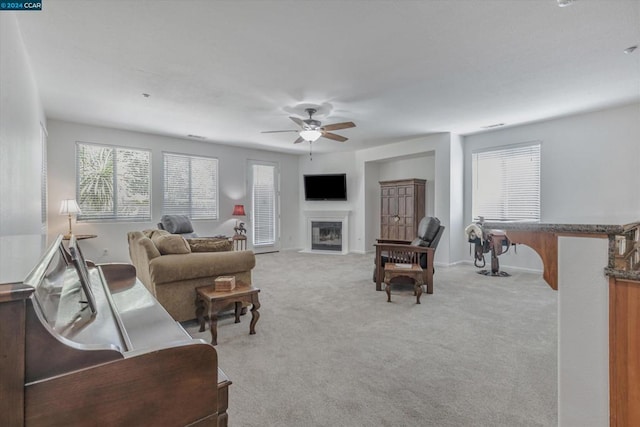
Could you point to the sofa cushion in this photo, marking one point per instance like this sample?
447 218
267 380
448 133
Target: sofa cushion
173 268
176 224
204 244
138 241
171 244
150 248
150 233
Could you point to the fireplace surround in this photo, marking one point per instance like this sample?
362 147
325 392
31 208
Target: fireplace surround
327 232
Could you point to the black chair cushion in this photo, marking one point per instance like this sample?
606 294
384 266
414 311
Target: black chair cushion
428 228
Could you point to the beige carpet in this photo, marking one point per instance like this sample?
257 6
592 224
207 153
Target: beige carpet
330 351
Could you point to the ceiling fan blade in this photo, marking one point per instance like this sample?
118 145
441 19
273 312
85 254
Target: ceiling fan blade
334 136
298 121
278 131
338 126
299 140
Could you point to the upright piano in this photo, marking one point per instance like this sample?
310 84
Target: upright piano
84 344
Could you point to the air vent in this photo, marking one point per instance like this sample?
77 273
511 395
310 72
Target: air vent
497 125
196 136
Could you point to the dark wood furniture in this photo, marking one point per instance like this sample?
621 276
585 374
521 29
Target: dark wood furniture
403 254
624 351
239 242
402 206
127 363
411 271
212 302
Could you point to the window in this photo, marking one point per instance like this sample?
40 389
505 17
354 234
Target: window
113 183
506 183
263 203
190 186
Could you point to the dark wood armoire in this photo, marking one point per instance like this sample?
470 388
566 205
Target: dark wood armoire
402 206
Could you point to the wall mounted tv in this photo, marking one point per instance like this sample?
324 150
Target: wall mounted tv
325 187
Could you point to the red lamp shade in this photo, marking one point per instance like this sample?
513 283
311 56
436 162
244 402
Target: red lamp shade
238 210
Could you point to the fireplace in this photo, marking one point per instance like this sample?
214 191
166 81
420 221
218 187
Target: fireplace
327 232
326 236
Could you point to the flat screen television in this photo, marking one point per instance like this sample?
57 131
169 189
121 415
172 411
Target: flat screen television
325 187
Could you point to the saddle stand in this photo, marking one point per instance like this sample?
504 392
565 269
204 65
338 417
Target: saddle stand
496 242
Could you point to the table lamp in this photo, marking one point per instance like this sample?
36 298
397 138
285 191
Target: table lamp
69 207
238 210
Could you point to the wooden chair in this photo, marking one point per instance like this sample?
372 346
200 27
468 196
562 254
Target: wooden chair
420 251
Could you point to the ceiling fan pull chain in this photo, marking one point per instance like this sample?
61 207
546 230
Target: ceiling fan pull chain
310 155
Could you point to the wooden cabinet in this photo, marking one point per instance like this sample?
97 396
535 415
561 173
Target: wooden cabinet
401 209
624 352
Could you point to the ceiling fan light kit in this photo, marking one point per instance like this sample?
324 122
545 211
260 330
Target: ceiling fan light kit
565 3
310 135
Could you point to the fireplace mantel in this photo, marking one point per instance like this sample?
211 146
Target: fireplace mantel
329 216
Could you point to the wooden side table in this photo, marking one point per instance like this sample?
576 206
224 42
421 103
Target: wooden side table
239 242
207 298
412 271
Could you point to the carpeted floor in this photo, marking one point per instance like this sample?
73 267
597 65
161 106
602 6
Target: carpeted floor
330 351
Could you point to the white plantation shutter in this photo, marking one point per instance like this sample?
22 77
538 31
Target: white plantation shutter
506 183
190 186
264 204
113 183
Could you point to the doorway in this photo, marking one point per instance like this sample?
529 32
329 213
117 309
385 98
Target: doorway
264 188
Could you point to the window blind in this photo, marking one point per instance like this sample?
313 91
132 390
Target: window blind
506 183
264 205
190 186
113 183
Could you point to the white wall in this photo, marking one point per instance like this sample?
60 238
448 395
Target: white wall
589 169
232 185
418 166
21 115
583 332
439 145
421 166
342 162
457 240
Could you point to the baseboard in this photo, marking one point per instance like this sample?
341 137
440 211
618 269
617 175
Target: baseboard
508 267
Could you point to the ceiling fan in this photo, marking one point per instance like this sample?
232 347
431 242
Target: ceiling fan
312 129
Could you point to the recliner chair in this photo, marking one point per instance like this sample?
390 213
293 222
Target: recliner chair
420 251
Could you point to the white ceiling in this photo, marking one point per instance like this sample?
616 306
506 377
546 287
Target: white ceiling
227 70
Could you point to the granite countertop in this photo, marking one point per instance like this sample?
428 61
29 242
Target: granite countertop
610 230
622 274
557 228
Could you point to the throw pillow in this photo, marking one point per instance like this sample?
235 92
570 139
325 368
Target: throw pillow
203 244
176 224
150 233
171 244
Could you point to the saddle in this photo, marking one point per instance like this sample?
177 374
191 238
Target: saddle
495 241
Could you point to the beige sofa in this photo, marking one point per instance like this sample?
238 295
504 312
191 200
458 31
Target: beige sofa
172 269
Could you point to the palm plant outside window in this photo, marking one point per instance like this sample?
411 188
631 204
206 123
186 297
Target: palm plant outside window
113 183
